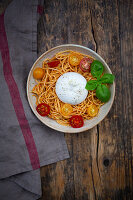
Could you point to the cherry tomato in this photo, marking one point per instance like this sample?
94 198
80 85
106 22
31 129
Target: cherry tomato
76 121
92 110
53 63
66 109
38 73
43 109
74 59
85 64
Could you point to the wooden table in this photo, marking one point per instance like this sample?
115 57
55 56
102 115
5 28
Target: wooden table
100 166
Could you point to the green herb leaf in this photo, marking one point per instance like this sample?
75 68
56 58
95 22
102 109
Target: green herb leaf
96 69
91 85
103 93
107 78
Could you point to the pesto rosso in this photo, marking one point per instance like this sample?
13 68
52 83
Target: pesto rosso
102 90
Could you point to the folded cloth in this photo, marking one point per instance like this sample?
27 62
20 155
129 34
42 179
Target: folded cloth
25 143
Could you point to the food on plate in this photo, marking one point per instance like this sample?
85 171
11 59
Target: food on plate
43 109
92 110
38 73
96 68
76 121
85 64
74 58
102 91
72 89
54 63
66 109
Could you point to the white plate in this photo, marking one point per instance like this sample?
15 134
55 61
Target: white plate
88 124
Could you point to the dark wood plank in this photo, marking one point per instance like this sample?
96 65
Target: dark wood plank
116 130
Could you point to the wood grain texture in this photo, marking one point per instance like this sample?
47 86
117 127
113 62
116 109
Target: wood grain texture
100 164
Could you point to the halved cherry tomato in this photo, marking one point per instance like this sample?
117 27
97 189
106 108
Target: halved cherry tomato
74 59
85 64
76 121
53 63
66 109
43 109
92 110
38 73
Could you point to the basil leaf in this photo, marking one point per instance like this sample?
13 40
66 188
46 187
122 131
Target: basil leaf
96 68
103 93
107 78
91 85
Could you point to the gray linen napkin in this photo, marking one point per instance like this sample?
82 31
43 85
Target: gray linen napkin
25 143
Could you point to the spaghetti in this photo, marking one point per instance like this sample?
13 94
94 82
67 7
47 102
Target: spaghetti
45 92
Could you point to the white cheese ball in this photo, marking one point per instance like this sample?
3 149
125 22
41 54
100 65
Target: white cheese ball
70 88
